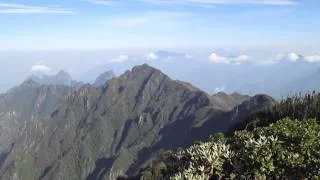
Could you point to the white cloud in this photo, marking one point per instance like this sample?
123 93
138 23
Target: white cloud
151 56
242 58
215 58
121 58
206 3
293 57
219 89
278 58
315 58
38 68
218 59
8 8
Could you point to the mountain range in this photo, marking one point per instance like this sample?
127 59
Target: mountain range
91 132
61 78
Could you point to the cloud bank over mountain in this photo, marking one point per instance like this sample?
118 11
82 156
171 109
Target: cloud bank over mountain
229 60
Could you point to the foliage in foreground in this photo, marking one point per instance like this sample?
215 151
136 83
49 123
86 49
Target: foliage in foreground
301 107
287 149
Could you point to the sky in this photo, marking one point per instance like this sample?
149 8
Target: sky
191 40
117 24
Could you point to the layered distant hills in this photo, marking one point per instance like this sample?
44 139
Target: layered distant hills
61 78
65 79
89 131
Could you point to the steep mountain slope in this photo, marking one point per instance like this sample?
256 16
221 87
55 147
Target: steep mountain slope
21 104
118 127
103 78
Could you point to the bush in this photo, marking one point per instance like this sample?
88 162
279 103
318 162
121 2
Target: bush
287 149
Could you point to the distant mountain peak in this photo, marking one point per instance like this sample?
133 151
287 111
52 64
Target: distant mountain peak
63 73
61 78
103 78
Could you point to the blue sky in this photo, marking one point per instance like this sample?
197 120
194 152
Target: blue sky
113 24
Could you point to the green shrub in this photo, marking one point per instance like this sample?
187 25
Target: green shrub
287 149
